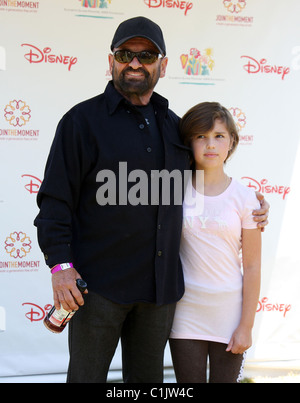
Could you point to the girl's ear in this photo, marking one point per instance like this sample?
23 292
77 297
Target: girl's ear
229 149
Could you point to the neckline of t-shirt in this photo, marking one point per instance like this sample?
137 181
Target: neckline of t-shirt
221 195
144 108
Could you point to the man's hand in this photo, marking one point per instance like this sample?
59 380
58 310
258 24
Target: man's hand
261 215
65 291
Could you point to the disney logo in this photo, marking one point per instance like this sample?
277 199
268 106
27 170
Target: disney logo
263 306
32 187
182 5
36 313
262 187
35 55
254 66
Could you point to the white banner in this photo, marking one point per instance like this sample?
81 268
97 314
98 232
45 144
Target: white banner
54 54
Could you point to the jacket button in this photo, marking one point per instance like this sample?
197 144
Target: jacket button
141 126
149 149
159 253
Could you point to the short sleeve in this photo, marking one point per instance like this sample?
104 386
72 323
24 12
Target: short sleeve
251 203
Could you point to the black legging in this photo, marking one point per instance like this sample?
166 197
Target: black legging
190 362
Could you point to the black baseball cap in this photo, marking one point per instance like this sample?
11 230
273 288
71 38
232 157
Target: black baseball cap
139 27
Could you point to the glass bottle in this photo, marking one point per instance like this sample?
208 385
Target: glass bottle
56 320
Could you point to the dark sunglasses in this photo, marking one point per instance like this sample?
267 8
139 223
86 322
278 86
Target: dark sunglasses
144 57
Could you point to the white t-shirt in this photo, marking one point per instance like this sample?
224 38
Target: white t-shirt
210 253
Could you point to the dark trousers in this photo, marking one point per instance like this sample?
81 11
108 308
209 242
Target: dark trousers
94 333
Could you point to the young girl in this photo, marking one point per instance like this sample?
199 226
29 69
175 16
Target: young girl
215 317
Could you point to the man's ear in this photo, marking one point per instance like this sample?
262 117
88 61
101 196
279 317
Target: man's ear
111 62
163 67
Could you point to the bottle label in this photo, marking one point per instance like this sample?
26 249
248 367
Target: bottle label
60 317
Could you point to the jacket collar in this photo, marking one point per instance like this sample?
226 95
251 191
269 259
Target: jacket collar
114 99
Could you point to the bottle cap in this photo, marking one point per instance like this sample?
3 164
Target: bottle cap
81 284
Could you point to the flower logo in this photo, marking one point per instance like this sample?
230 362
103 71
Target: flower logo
235 6
239 117
18 245
17 113
196 63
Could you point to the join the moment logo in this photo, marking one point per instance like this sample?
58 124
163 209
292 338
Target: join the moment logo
18 245
235 6
198 63
17 113
234 16
21 5
240 119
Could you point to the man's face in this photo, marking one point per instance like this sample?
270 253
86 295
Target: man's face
134 78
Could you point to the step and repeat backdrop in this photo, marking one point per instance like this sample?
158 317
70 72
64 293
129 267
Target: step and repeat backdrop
54 54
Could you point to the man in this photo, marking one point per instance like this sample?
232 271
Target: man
128 254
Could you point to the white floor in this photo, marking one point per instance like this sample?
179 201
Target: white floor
252 370
114 377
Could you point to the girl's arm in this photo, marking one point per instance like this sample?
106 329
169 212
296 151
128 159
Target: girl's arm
251 248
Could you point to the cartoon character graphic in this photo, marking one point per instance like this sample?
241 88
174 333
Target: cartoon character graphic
95 3
198 63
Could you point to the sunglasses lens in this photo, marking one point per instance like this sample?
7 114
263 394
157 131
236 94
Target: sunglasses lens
124 56
147 57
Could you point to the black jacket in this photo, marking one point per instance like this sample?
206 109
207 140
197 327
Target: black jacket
125 253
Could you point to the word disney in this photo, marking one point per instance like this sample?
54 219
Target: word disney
182 5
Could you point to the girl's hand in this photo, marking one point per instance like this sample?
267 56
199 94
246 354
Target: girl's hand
240 341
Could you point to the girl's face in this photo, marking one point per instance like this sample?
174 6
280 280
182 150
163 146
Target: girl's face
211 149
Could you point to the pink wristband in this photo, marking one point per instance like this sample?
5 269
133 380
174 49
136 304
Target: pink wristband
62 266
